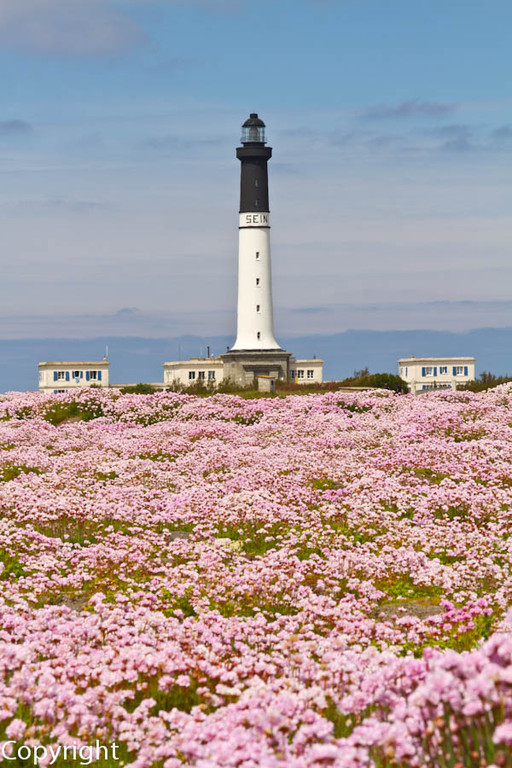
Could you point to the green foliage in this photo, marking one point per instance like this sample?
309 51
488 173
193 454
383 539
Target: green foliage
8 473
284 388
229 387
12 566
205 388
431 475
179 697
251 603
344 723
451 512
486 380
75 410
324 484
402 585
105 475
181 602
376 380
159 456
140 389
254 539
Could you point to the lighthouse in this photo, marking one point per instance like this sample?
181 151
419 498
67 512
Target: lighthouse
255 352
255 357
255 322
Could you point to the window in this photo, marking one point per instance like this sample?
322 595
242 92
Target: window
300 374
310 373
201 375
76 374
191 374
459 370
93 375
428 370
258 335
257 281
257 307
61 375
257 255
292 374
443 369
211 375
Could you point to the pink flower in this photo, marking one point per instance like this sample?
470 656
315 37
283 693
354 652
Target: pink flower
503 734
16 729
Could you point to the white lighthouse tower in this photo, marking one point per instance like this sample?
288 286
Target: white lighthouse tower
255 322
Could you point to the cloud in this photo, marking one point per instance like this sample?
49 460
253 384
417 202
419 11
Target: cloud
410 108
14 127
67 27
458 138
284 169
454 131
310 310
502 133
176 143
53 205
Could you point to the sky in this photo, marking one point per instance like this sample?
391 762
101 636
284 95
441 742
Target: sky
390 182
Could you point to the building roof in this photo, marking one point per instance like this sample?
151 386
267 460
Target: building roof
413 359
75 362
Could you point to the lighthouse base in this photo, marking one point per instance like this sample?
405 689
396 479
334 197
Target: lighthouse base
242 367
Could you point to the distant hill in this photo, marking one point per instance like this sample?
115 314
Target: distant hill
135 359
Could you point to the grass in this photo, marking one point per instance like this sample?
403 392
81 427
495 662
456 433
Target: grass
80 530
12 566
254 540
429 474
182 697
403 586
451 512
61 412
8 473
324 484
104 476
344 723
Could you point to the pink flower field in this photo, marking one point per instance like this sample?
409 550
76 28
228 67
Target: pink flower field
316 581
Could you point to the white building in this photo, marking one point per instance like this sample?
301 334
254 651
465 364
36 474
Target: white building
198 370
424 373
55 377
306 371
210 371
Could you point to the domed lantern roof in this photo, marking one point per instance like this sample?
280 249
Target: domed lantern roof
253 130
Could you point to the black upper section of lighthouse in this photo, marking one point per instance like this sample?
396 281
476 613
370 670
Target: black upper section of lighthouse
254 156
